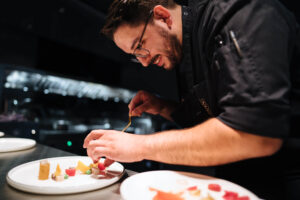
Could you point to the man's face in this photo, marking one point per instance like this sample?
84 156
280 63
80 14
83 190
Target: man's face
163 46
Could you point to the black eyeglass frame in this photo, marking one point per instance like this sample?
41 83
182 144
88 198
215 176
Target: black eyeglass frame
139 46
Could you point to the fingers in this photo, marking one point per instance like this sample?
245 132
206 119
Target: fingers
91 147
93 135
108 162
137 100
143 102
145 107
96 153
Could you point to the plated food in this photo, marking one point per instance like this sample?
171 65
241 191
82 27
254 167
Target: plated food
194 192
94 169
63 175
171 185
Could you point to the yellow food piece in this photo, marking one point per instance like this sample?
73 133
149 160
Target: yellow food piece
82 167
58 171
208 198
44 170
195 192
93 165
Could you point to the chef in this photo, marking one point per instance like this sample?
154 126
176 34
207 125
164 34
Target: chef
239 86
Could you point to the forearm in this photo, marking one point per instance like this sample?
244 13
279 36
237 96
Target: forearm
210 143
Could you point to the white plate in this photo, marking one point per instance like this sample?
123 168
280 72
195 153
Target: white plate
1 134
136 187
25 177
15 144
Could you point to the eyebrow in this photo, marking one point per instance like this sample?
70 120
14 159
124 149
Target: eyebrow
134 42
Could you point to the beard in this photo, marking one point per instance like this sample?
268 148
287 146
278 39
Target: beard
172 47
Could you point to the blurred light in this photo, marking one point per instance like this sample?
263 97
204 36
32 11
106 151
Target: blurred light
33 132
7 85
25 89
116 99
69 143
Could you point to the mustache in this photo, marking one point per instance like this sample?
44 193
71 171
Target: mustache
154 58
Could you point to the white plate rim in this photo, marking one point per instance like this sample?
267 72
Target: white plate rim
123 184
29 144
2 134
42 190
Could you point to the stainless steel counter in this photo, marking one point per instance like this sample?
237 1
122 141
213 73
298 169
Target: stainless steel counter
12 159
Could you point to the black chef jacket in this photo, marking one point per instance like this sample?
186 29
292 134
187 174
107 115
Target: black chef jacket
240 66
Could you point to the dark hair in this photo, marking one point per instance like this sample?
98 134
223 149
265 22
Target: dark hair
132 12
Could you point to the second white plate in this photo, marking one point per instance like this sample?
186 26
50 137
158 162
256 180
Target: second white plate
15 144
174 185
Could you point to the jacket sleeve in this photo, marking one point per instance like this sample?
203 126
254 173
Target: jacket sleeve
254 85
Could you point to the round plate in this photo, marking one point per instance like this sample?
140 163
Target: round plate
15 144
1 134
25 177
149 184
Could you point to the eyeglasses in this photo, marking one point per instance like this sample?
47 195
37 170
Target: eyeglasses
140 52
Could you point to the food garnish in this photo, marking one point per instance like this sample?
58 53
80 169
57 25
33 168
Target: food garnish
161 195
214 187
101 166
44 170
71 171
58 170
82 167
208 198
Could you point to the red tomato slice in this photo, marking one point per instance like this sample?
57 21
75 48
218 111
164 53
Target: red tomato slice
71 171
229 195
192 188
214 187
101 166
244 198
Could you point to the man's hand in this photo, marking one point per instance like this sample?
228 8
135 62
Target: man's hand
114 145
149 103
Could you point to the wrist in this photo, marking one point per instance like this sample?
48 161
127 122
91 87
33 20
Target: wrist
146 149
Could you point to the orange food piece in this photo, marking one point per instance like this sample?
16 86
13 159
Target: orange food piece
82 167
58 170
161 195
44 170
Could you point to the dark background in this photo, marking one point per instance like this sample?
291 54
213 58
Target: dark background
63 37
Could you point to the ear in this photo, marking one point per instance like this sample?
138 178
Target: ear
162 13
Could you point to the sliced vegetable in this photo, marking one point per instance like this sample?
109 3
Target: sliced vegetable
244 198
88 171
214 187
192 188
229 195
101 166
66 176
71 171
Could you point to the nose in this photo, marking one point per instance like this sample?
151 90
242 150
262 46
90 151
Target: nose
144 61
